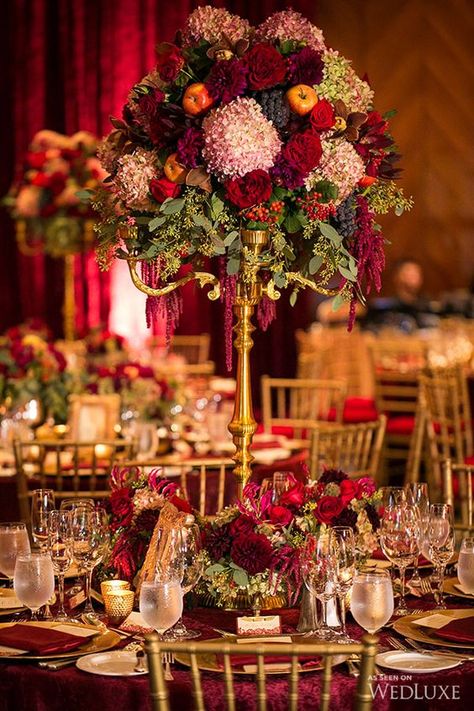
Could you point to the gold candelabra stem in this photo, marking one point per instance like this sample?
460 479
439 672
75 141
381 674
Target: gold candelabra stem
69 303
203 278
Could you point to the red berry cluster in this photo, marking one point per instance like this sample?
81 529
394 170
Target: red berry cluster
260 213
314 209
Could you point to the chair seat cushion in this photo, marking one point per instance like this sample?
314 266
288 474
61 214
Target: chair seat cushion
403 425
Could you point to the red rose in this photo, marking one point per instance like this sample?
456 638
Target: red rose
36 159
253 188
280 515
266 67
328 508
253 552
348 491
122 508
241 526
181 504
303 151
294 496
162 188
322 116
148 103
170 61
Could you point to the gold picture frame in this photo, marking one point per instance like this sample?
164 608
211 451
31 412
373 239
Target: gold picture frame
93 417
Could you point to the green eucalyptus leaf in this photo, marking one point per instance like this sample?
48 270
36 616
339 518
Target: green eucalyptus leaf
330 233
241 578
171 207
230 238
337 302
293 297
292 224
233 265
315 264
214 569
346 273
156 222
280 280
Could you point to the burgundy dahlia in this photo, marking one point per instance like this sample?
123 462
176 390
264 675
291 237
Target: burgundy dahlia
348 517
227 80
253 552
189 148
373 516
218 542
306 67
332 476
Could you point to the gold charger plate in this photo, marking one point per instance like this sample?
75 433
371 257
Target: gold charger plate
450 588
6 593
406 628
99 643
208 662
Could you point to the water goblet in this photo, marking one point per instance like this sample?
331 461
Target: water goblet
440 538
189 549
60 550
161 604
87 546
372 599
417 496
466 565
319 574
345 552
33 580
399 540
13 541
42 503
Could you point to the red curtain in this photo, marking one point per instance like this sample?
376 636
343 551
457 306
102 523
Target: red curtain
68 65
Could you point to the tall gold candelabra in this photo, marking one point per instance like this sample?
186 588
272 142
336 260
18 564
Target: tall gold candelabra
250 289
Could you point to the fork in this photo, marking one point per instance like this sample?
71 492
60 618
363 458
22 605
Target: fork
167 659
425 586
397 644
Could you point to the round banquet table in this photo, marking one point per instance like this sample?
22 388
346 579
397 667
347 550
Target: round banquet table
25 687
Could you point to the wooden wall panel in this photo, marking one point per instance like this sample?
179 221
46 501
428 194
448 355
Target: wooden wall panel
419 57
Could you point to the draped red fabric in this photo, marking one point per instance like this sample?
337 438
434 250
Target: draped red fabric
68 65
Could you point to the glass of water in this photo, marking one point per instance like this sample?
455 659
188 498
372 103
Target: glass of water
13 541
372 599
161 604
33 580
466 565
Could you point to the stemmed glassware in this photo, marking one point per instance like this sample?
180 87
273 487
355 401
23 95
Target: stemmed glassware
345 553
34 580
319 574
161 603
372 599
13 542
440 539
400 542
87 546
60 550
417 497
391 496
42 503
189 550
466 565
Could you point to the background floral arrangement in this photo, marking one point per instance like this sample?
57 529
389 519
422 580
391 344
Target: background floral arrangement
31 368
134 508
100 341
255 546
261 127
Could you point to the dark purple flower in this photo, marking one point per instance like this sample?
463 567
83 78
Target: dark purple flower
373 516
348 517
332 476
189 148
227 79
218 542
253 552
306 67
287 175
146 520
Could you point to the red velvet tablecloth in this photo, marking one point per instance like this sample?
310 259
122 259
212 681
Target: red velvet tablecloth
25 687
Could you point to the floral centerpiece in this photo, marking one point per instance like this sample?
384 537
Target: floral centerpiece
45 194
134 508
254 548
102 342
260 128
33 369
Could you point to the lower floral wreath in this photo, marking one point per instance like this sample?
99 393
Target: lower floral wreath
243 601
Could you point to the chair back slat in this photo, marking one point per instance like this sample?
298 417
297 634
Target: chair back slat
462 503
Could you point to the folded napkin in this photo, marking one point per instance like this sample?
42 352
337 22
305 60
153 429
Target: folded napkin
461 630
242 660
267 444
39 640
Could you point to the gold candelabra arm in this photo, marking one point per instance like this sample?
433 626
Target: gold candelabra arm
291 277
204 278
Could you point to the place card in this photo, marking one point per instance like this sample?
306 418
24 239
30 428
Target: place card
259 625
75 630
435 622
76 600
11 651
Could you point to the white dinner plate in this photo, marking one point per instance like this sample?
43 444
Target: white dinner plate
117 663
415 662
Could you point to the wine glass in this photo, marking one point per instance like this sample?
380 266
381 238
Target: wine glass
60 550
161 604
70 504
33 580
372 599
190 548
466 565
344 544
13 541
400 542
440 536
42 503
87 546
319 575
417 496
391 496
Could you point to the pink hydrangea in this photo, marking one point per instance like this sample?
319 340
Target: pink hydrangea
238 138
133 177
290 25
211 24
341 165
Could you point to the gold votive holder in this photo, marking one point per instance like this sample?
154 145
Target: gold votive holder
118 605
111 586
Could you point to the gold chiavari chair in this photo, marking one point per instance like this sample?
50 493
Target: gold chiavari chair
444 402
295 403
194 349
205 482
73 469
228 651
356 449
462 476
190 370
